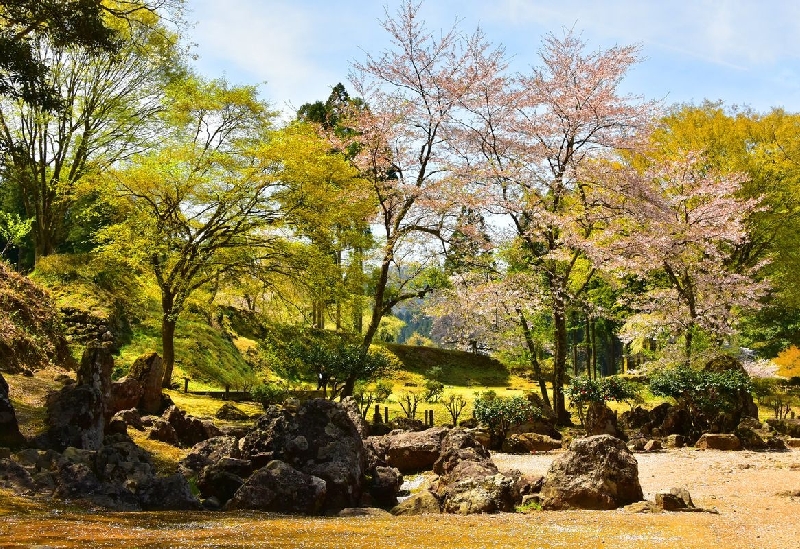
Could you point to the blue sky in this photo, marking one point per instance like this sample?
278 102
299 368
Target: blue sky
740 52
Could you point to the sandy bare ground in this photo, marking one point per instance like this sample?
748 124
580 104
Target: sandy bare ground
748 489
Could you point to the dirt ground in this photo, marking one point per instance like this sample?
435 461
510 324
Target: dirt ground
756 494
742 487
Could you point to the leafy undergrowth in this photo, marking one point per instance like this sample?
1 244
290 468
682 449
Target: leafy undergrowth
28 396
588 529
207 407
31 334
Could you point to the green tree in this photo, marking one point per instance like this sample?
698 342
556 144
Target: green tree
107 103
201 204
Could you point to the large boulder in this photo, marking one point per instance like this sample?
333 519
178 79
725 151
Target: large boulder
222 479
602 420
279 487
171 493
711 441
75 417
597 472
9 428
415 451
209 452
125 394
189 429
148 370
469 480
95 367
319 439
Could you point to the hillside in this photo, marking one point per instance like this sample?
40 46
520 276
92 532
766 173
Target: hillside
31 332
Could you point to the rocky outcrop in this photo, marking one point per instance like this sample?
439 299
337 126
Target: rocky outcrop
119 476
124 394
148 370
317 439
597 472
279 487
75 417
414 451
469 482
10 435
602 420
229 412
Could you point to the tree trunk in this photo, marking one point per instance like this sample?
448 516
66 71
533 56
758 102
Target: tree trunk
168 321
593 343
537 369
560 362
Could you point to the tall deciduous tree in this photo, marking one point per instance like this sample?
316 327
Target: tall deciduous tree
201 204
415 93
105 105
684 229
530 138
326 203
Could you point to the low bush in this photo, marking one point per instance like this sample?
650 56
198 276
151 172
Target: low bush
500 414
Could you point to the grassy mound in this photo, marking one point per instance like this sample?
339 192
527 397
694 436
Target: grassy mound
458 368
31 333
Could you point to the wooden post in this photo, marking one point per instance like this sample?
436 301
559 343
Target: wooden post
186 385
386 414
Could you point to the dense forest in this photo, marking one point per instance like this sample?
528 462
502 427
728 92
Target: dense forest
543 218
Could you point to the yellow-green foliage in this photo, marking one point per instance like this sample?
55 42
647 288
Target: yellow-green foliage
789 362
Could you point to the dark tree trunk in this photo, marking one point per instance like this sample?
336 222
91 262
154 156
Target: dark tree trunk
560 363
537 369
168 321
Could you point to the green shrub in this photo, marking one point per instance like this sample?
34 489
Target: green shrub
268 394
433 390
500 414
700 391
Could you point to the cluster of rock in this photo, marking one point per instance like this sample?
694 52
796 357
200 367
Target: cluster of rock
119 475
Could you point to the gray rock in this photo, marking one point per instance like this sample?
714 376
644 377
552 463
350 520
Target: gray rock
148 370
318 439
162 431
415 451
597 472
280 488
125 394
718 442
209 452
421 503
75 417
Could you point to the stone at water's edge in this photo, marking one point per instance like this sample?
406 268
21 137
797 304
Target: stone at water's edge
597 472
318 439
280 488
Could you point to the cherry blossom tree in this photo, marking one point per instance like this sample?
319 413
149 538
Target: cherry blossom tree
415 92
529 139
682 235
